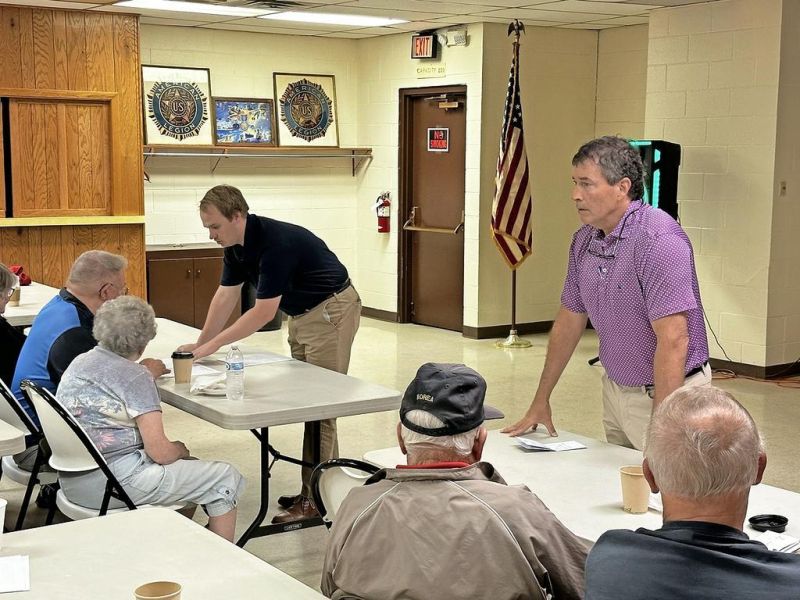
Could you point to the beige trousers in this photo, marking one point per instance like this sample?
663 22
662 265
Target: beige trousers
626 410
323 336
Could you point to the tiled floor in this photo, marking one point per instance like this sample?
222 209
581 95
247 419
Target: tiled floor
389 354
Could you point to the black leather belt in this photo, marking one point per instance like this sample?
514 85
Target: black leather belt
697 370
346 285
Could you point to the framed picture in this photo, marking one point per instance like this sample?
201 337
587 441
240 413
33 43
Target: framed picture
176 104
243 122
306 110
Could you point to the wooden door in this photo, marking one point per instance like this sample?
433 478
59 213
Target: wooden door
432 201
170 286
207 273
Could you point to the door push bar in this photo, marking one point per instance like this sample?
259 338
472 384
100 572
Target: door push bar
411 224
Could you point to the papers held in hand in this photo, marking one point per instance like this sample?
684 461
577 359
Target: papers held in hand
529 444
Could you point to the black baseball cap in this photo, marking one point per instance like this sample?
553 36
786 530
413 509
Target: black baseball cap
452 392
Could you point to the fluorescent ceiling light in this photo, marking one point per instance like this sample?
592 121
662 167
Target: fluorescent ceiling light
333 19
194 7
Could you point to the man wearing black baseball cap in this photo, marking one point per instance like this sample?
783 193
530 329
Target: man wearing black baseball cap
419 531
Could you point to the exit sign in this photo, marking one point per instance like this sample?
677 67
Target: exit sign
423 46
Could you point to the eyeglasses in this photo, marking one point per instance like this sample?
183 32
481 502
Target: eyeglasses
122 291
597 241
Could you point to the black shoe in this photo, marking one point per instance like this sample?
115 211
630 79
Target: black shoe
47 496
288 501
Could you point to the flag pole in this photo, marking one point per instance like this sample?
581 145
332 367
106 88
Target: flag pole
513 340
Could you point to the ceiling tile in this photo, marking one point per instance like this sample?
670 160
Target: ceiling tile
544 15
607 8
624 21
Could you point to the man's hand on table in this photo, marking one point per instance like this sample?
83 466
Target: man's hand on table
539 412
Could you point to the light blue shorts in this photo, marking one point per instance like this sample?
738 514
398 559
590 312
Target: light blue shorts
214 485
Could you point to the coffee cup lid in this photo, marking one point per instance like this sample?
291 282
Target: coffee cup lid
178 354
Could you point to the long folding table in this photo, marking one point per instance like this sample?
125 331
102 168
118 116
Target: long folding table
32 298
109 557
582 487
278 393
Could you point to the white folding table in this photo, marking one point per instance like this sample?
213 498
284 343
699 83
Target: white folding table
32 298
278 393
108 557
582 487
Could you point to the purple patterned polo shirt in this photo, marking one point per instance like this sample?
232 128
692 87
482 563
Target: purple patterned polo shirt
640 272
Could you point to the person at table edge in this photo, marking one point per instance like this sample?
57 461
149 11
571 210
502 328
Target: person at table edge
294 270
631 271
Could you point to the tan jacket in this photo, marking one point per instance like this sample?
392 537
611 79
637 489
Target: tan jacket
449 533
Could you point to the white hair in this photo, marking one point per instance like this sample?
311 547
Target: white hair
124 325
460 444
94 266
701 442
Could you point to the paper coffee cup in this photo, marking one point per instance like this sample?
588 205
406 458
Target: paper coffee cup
2 518
158 590
635 491
182 366
15 296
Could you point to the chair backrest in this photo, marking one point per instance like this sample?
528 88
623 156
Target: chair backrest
73 449
11 412
332 480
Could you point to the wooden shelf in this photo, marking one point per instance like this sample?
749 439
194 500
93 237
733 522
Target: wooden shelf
85 220
355 155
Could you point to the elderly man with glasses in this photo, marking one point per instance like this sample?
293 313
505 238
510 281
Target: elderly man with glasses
63 328
631 271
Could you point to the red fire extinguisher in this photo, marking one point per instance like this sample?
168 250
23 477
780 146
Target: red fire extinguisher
383 208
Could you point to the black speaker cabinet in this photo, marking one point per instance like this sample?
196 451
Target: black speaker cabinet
661 160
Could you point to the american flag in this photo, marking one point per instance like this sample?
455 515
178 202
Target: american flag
512 205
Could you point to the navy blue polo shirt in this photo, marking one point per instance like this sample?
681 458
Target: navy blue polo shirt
286 260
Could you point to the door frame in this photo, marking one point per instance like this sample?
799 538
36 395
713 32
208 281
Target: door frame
407 96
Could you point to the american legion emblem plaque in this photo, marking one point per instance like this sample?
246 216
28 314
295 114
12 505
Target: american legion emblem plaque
176 104
307 108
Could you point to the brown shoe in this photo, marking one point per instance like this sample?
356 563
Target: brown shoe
288 501
302 509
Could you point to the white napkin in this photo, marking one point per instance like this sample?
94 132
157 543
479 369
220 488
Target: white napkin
211 385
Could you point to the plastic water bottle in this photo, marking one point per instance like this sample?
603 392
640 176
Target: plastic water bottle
234 374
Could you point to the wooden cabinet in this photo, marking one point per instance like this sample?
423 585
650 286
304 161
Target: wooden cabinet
181 282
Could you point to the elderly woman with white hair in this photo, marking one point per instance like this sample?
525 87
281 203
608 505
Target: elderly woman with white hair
116 401
11 339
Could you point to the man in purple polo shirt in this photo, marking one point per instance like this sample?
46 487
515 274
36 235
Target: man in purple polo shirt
631 271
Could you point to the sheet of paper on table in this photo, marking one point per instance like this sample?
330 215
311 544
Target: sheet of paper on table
250 358
15 574
780 542
529 444
197 369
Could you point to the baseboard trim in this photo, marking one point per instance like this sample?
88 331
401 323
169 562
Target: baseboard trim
501 331
380 315
784 370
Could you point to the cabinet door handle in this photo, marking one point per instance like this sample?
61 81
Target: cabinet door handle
198 272
188 272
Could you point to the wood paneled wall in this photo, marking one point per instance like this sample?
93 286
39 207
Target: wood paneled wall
78 74
47 253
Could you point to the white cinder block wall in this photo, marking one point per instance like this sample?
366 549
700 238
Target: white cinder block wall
320 194
558 69
384 68
783 325
712 86
621 81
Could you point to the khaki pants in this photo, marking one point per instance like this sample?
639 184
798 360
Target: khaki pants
323 336
626 410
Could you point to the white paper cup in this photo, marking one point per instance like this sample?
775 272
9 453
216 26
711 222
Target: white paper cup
635 491
158 590
15 297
